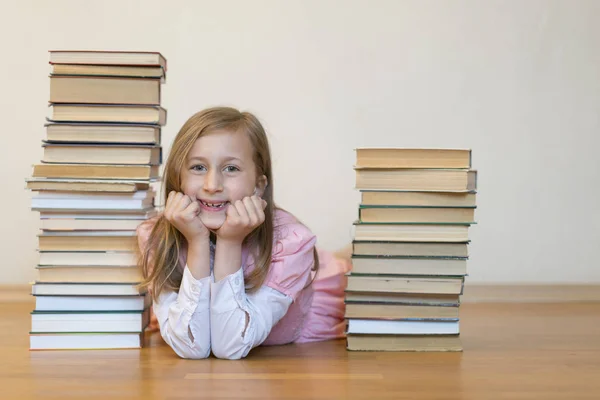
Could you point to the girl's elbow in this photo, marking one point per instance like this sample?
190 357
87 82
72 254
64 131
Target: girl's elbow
194 354
228 354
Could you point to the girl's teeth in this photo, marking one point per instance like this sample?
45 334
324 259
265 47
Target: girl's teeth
214 205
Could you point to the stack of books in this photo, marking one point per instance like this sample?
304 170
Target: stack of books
410 249
93 187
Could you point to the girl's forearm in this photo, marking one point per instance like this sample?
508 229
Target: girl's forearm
198 258
228 258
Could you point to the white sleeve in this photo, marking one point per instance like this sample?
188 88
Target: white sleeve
231 307
184 317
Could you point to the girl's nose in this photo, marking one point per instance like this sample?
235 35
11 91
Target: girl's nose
212 183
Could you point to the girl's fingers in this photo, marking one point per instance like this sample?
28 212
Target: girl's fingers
232 211
253 212
259 205
242 212
192 210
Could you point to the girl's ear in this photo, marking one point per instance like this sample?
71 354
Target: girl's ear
261 185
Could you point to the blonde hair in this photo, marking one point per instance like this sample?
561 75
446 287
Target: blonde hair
160 259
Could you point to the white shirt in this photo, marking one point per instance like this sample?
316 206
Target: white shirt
207 315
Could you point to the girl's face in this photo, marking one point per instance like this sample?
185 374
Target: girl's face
220 170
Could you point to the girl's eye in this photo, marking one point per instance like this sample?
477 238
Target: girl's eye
231 168
198 168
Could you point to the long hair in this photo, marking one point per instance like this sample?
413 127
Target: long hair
160 258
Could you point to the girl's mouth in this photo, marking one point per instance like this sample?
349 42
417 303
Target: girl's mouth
212 206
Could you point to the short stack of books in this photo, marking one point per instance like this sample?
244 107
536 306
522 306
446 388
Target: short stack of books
101 153
410 249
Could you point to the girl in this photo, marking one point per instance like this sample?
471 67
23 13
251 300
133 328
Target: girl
227 269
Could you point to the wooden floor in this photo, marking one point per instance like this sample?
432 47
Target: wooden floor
512 351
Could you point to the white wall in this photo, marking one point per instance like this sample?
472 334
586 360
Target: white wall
516 81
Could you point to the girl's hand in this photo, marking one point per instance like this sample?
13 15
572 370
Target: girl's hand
242 217
183 213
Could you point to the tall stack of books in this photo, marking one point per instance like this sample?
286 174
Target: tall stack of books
93 187
410 249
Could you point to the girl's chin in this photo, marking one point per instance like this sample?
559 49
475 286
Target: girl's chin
212 222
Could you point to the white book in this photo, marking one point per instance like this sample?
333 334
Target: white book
80 258
402 327
128 215
82 341
72 224
90 233
83 289
92 303
116 321
140 194
90 204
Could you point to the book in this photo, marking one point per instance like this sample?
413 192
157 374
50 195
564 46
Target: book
119 154
407 214
426 180
418 343
104 90
386 232
433 266
410 249
87 185
115 113
137 58
109 70
424 299
87 241
89 321
402 327
408 198
88 274
85 289
81 223
400 311
92 258
92 303
405 284
97 171
83 341
412 158
102 133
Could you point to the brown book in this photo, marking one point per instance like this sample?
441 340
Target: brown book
407 214
86 274
399 311
410 249
102 133
96 171
102 154
412 158
70 185
393 284
431 299
109 70
81 223
117 113
404 342
104 90
404 198
87 57
83 241
409 266
428 180
88 258
411 232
